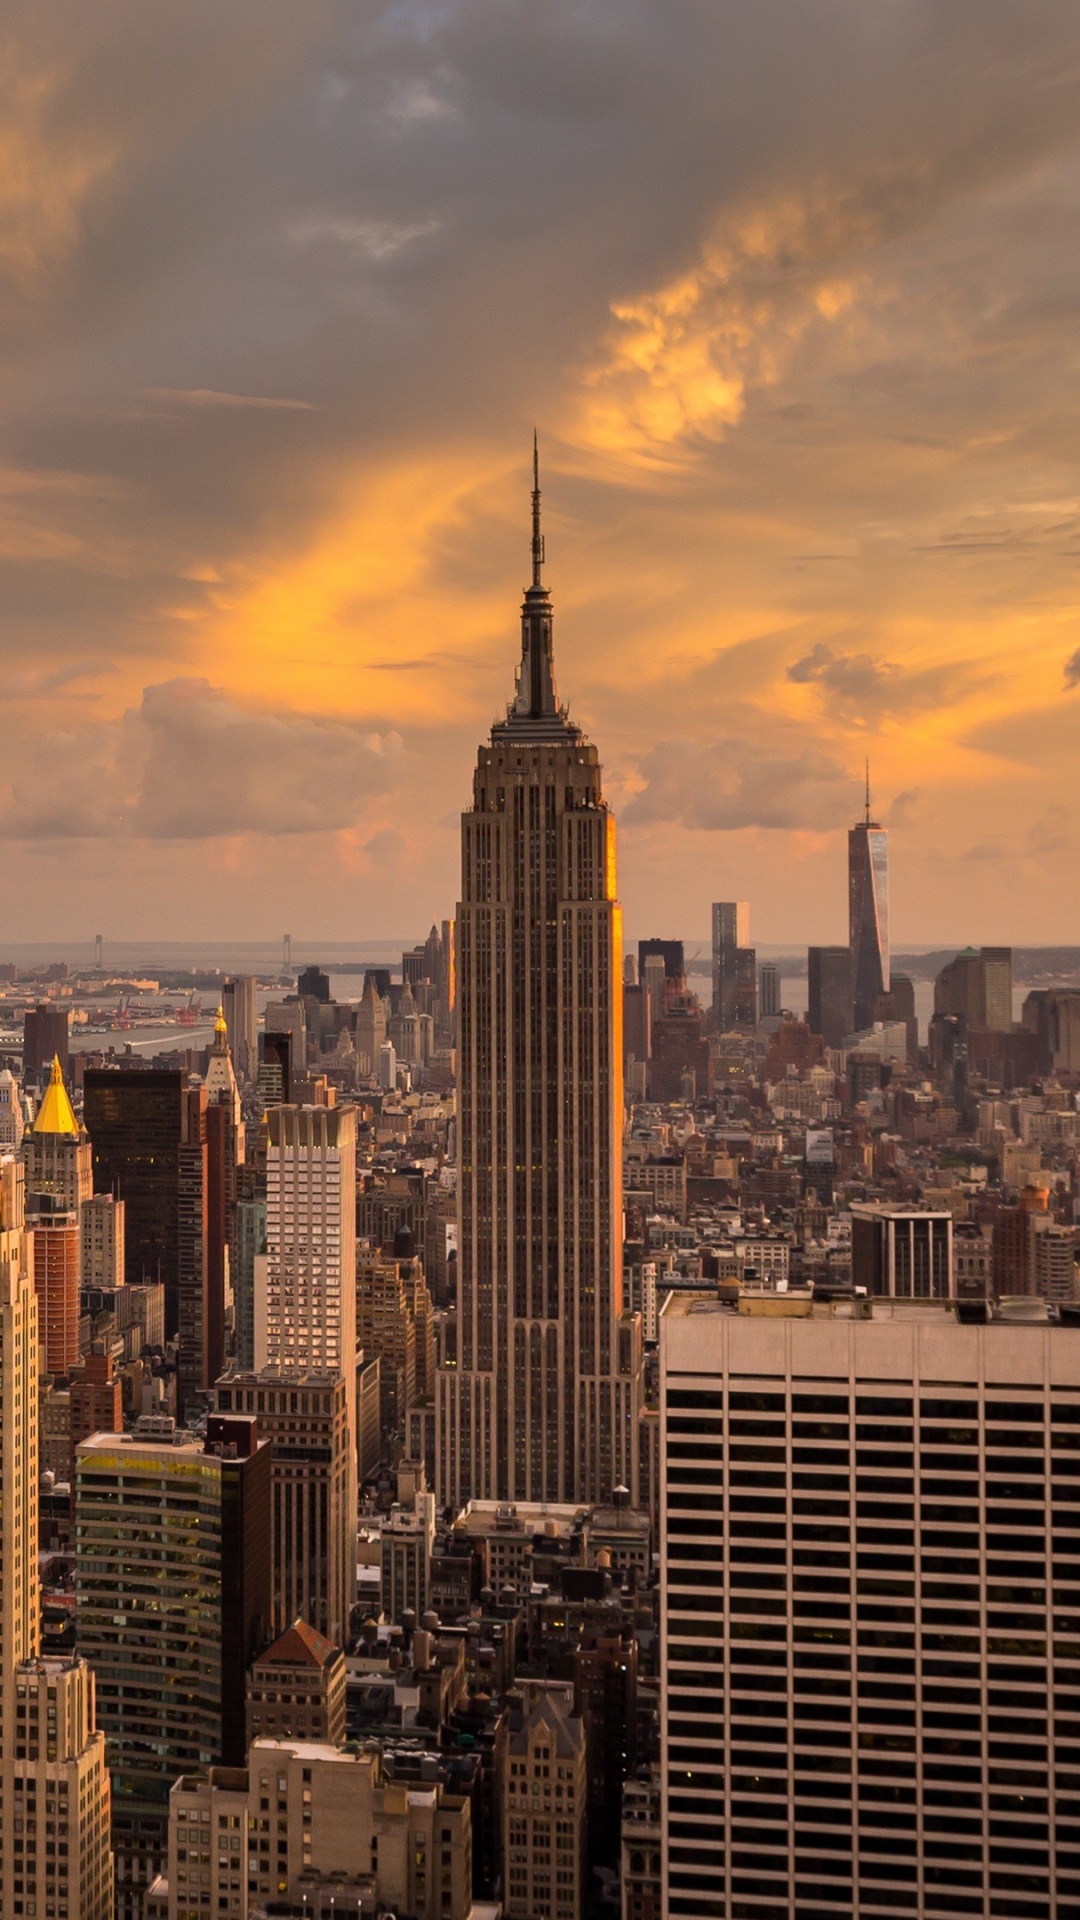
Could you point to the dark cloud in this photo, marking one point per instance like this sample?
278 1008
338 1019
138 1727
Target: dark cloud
189 764
1072 671
855 676
731 784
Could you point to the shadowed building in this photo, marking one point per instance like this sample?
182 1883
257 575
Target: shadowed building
831 1011
135 1119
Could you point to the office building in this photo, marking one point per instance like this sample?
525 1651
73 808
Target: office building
12 1125
640 1886
54 1785
54 1258
1051 1013
902 1253
730 932
135 1119
343 1837
977 987
240 1005
868 915
276 1068
173 1577
45 1038
296 1689
864 1707
305 1416
544 1399
769 990
672 955
314 984
305 1283
56 1151
288 1017
101 1242
831 1008
544 1806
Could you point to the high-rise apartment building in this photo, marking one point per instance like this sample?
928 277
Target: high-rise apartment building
870 1580
173 1574
304 1413
831 1009
730 931
544 1399
54 1258
54 1786
135 1119
868 915
240 1006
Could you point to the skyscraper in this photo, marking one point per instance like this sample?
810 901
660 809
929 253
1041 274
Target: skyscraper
135 1119
54 1787
240 1006
730 932
829 980
173 1577
57 1153
868 908
305 1287
870 1586
543 1402
46 1033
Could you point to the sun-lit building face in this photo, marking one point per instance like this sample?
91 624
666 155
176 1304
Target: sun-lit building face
791 296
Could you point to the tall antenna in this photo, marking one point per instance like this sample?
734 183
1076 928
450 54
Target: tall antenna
868 789
537 536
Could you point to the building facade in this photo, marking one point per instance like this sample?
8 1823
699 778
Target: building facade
868 916
304 1414
173 1572
870 1704
543 1400
135 1120
54 1785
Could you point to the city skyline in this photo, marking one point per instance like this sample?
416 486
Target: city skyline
809 469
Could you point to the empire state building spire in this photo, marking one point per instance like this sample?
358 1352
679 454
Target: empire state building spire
535 713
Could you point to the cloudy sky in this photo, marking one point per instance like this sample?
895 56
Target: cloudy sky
791 290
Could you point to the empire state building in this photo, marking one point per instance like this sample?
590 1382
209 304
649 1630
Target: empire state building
541 1399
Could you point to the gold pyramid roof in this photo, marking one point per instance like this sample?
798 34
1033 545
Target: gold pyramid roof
56 1113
